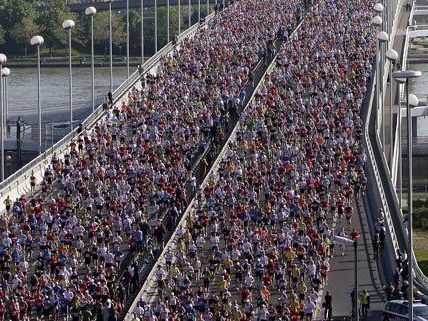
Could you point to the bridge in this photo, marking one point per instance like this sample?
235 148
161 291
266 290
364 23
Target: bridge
205 168
80 6
387 151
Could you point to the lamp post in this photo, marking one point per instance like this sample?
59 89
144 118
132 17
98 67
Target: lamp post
111 45
5 72
379 8
91 11
156 26
199 10
179 16
190 13
68 25
355 245
377 22
411 100
167 22
127 37
400 81
392 56
3 60
38 41
142 32
382 38
208 8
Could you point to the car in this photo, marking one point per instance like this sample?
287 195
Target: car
397 310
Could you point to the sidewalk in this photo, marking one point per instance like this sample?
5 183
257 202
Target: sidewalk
341 277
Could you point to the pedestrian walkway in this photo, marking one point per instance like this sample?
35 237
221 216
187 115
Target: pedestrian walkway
341 276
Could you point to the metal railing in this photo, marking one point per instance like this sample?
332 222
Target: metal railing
389 202
375 169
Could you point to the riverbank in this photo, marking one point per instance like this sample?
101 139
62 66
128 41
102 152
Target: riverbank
62 62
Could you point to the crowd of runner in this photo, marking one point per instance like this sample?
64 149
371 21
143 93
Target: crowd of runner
256 245
62 247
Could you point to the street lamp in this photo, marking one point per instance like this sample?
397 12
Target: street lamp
38 41
167 21
156 26
127 36
179 16
190 13
392 56
142 33
377 23
91 11
382 38
400 81
410 101
5 72
111 45
68 25
3 60
379 8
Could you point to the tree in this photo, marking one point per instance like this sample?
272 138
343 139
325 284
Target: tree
13 13
23 31
2 35
102 32
149 29
50 22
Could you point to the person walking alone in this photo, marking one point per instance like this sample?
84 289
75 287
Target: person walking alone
328 306
365 302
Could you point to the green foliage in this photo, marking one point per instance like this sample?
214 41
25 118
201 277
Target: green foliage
23 31
149 28
50 21
420 213
23 19
2 35
12 12
422 257
17 16
102 32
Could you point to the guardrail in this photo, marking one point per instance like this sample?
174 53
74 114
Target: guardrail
421 278
376 174
38 164
388 199
389 202
394 167
209 176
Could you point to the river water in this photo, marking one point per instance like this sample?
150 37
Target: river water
22 91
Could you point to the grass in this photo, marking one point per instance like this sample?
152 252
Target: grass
419 196
420 247
420 223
